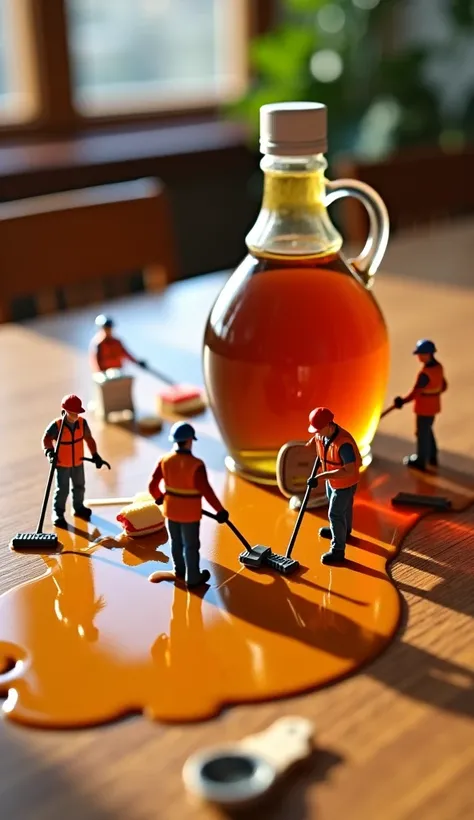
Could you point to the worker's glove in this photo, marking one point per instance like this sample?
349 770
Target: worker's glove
50 454
159 500
98 461
398 402
312 483
222 517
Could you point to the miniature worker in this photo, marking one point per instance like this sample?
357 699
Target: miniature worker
185 483
426 396
69 459
340 463
106 351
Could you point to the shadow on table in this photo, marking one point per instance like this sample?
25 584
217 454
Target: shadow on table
424 677
455 589
414 672
283 611
441 545
288 798
453 466
448 552
31 789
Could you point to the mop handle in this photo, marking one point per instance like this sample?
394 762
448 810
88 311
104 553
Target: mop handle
387 411
47 491
302 510
234 529
160 376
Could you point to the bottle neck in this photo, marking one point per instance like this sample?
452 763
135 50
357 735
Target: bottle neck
293 220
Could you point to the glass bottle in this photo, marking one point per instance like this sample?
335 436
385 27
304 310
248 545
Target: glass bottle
296 325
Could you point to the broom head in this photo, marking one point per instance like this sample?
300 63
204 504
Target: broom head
24 541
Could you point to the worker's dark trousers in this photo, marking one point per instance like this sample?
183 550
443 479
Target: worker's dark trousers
65 476
341 503
185 547
427 450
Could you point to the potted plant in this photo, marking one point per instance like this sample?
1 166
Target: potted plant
380 82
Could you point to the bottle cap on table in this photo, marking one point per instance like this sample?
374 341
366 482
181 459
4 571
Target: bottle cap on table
293 129
237 774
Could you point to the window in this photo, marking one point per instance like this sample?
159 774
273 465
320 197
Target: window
70 64
142 54
17 97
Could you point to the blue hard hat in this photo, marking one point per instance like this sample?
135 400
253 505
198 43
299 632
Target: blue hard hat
104 321
182 431
424 346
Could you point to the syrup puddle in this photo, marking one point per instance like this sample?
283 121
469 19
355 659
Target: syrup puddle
92 639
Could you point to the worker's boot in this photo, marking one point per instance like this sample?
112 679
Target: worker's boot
414 463
59 521
83 512
205 575
325 532
333 557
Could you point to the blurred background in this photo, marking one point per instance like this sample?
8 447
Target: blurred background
94 92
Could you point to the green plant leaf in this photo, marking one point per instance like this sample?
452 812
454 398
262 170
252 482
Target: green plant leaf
462 12
401 74
307 5
282 54
371 71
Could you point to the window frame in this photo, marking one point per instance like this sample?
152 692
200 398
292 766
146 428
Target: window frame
51 75
28 108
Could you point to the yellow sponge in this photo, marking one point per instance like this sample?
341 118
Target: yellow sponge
141 518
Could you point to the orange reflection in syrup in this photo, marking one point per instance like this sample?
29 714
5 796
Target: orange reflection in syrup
92 639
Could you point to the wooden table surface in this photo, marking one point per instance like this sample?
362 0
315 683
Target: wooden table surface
396 740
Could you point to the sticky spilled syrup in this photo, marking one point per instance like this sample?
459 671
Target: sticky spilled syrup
93 639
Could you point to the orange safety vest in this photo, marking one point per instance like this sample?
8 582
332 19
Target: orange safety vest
331 460
427 400
182 501
107 353
71 448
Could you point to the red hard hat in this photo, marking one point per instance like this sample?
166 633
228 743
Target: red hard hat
318 418
72 404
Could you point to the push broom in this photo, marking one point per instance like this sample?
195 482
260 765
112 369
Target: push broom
40 539
259 556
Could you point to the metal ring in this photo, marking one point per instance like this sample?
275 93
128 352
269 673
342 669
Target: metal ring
228 776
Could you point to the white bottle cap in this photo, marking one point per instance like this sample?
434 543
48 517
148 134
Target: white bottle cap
293 129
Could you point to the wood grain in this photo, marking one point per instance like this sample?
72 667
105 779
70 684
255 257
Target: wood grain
394 742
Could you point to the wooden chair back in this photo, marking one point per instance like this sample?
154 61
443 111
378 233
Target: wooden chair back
81 246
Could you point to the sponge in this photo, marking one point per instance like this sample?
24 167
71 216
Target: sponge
181 399
141 518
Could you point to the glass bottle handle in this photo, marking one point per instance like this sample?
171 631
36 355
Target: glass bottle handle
369 259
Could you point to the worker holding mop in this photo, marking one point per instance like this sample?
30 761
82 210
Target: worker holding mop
69 437
426 398
340 463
